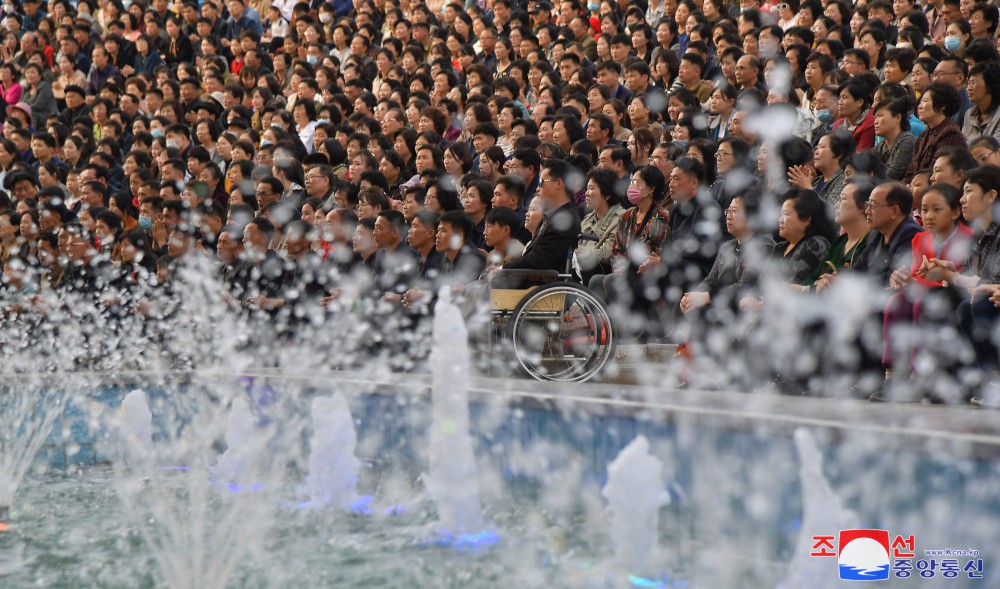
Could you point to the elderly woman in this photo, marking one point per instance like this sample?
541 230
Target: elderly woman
983 117
594 256
38 95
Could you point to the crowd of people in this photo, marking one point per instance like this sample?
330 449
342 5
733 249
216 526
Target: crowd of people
322 159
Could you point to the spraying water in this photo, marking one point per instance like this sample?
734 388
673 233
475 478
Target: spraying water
635 494
333 467
453 478
822 512
26 420
136 435
236 463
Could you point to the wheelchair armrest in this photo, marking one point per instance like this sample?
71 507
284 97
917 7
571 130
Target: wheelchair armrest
522 279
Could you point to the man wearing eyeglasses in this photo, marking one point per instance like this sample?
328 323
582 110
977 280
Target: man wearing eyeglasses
954 70
560 228
889 211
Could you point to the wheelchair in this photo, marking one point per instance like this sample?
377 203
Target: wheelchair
551 328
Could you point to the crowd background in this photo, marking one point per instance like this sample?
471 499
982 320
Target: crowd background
350 159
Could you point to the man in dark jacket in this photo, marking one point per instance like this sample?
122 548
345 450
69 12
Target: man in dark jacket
557 237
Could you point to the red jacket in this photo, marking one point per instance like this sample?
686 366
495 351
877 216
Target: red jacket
955 249
864 135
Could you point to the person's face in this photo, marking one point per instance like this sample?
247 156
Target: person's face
849 106
385 234
978 92
814 74
791 227
746 74
879 214
925 110
424 160
472 204
886 124
936 214
847 210
852 65
594 196
495 234
944 173
948 72
985 155
980 27
420 235
447 239
976 203
533 218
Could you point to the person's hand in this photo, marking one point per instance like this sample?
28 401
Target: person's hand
694 300
126 71
333 296
995 297
159 232
751 303
899 279
391 297
825 281
801 176
987 290
413 296
937 270
261 302
397 205
651 262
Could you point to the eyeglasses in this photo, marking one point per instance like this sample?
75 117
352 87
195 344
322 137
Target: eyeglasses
938 74
732 212
983 157
858 63
874 205
721 154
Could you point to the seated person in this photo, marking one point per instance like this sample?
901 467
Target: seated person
594 257
460 264
557 236
501 226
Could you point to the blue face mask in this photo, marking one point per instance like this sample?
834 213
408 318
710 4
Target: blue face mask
682 143
323 121
312 59
146 223
593 6
823 115
265 142
156 132
952 43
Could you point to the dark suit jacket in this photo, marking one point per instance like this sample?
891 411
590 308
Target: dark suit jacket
553 242
880 258
184 53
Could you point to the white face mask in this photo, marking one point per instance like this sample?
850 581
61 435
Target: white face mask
325 17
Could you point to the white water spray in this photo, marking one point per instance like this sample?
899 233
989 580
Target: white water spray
453 478
333 467
635 494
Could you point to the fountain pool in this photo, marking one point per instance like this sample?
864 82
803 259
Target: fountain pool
730 469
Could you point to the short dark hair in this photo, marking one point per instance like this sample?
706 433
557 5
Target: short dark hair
944 98
900 196
689 165
459 222
505 217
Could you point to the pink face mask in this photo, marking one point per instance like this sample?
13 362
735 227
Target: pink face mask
634 195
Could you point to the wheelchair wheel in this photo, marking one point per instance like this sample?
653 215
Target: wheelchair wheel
561 332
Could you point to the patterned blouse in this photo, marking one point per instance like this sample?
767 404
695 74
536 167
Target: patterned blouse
653 235
984 260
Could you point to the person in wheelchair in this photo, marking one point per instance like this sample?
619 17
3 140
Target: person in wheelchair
557 236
